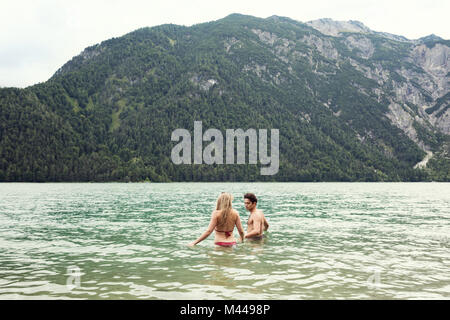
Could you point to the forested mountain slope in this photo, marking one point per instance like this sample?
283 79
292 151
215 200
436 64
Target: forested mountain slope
350 104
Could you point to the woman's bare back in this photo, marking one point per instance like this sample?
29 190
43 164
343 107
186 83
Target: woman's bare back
224 229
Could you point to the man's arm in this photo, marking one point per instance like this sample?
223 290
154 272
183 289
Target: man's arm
257 228
266 224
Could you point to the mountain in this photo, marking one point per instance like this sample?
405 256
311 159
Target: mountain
330 27
350 104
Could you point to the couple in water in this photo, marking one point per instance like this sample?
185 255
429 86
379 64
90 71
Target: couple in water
225 218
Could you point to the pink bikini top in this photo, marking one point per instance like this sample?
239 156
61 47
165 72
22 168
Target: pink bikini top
227 233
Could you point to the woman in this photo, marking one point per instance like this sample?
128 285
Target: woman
223 220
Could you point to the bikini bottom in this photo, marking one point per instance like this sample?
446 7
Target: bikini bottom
225 244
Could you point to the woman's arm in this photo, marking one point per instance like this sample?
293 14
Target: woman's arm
239 227
212 225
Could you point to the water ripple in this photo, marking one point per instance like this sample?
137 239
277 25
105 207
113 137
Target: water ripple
128 241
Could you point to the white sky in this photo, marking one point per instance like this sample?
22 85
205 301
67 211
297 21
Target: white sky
39 36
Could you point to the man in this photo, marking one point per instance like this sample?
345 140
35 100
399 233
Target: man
257 223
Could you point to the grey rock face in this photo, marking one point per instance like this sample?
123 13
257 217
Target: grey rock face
324 46
335 28
229 43
443 122
265 36
363 44
416 86
403 120
338 28
434 61
204 84
420 79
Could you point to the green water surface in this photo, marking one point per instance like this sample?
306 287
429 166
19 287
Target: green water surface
129 241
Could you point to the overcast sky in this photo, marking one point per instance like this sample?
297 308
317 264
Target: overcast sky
39 36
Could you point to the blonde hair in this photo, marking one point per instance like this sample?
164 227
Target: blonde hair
224 204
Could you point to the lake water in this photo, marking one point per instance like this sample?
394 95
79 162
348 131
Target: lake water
128 241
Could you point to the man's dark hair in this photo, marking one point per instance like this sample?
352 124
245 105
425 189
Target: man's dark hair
251 197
